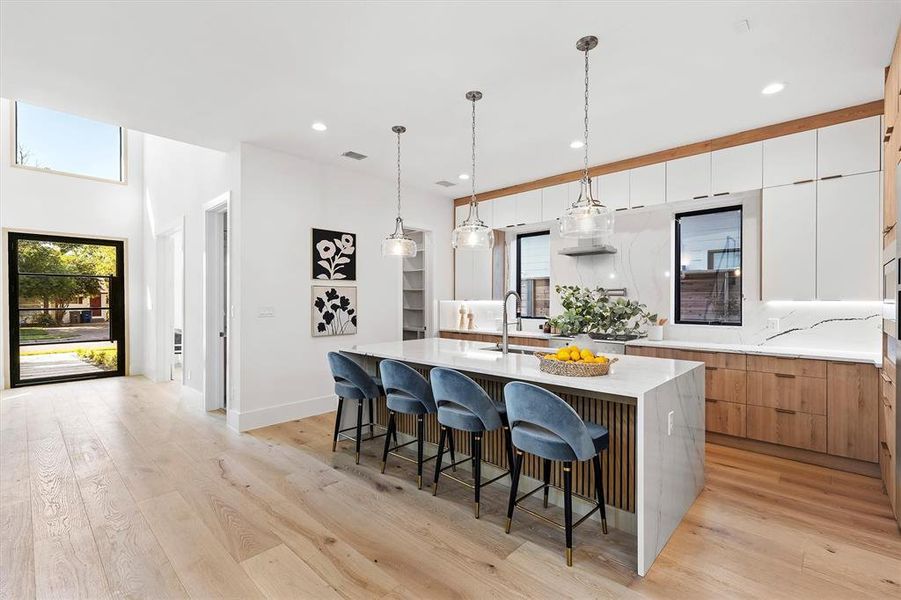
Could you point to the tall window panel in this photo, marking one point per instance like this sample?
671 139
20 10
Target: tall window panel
708 262
533 274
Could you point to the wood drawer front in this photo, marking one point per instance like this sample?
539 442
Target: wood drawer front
641 351
528 341
853 409
801 367
725 417
887 433
777 390
887 389
778 426
719 360
887 466
726 384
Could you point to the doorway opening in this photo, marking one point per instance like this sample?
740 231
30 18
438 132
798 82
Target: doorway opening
170 306
66 308
216 302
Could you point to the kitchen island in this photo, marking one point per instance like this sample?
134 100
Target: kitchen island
653 409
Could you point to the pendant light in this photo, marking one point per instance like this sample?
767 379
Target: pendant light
398 243
587 217
473 233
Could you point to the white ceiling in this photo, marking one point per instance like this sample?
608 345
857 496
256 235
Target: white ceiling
664 74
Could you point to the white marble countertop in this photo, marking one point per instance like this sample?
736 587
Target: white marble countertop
630 376
512 332
814 353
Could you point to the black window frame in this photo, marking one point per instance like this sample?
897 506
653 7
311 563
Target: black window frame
520 236
677 285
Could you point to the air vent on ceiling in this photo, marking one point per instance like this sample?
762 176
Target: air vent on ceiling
445 183
354 155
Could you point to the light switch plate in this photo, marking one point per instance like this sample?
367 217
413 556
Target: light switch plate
772 324
669 422
265 312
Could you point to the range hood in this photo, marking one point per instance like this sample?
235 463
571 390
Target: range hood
587 247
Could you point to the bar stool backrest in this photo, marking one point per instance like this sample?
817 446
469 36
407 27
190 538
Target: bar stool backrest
451 386
346 371
400 378
529 404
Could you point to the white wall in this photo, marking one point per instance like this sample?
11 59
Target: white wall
284 373
178 179
54 203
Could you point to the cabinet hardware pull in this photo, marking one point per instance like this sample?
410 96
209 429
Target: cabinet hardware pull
888 228
711 400
721 194
638 206
885 377
829 177
785 375
889 129
802 181
784 411
699 197
884 446
710 368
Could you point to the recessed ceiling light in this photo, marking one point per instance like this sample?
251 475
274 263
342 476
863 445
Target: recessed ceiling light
463 176
317 126
773 88
575 144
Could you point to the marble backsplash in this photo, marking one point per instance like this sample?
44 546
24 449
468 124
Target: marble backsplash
644 265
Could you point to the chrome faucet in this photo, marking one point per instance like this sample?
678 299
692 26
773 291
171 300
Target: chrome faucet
504 325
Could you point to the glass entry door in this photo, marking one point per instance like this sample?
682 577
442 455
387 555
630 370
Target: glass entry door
67 308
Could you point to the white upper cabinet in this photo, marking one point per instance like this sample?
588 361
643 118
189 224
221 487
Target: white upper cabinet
688 178
504 211
613 190
848 240
528 207
554 201
460 214
848 148
647 185
788 242
737 169
790 159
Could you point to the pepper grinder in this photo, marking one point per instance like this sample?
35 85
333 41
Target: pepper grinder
462 322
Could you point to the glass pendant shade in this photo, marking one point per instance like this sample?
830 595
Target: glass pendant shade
398 244
587 218
473 234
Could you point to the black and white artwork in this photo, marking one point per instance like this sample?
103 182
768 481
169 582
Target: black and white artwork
334 255
334 310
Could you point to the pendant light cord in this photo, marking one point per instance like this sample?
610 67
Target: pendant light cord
398 176
585 168
472 176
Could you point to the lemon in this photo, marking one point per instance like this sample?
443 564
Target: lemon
574 355
562 354
586 354
601 359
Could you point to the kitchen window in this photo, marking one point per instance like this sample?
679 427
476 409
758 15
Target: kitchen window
57 142
708 264
533 274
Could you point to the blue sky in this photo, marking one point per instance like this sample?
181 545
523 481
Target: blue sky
68 143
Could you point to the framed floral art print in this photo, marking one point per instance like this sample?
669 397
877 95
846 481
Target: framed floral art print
334 310
334 255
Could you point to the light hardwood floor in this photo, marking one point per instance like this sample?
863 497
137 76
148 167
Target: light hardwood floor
118 488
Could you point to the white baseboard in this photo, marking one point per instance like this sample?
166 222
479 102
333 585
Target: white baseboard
273 415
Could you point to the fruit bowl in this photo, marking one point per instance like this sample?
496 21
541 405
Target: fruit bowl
553 364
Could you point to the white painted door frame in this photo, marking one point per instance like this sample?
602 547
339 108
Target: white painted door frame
216 294
165 302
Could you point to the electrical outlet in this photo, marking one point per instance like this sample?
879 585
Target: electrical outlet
669 423
772 324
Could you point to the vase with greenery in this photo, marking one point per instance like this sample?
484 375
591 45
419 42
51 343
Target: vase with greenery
594 312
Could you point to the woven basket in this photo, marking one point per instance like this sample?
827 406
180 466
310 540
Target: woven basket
573 369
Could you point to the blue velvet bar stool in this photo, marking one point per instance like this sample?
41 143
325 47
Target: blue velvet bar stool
354 384
463 405
408 393
543 425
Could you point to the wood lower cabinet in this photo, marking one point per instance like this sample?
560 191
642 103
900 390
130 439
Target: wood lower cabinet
729 385
790 392
489 337
853 405
816 405
728 418
787 427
